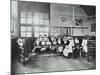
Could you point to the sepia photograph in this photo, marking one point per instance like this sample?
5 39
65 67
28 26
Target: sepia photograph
52 37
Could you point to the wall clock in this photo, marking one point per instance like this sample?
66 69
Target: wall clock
63 19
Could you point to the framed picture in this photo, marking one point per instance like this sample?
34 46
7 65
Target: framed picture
52 37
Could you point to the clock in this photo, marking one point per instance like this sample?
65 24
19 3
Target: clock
63 19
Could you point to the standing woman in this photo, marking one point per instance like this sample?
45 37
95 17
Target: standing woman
71 46
76 51
65 41
54 45
68 50
65 46
59 43
84 45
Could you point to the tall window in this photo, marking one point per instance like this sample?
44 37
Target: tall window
34 23
41 19
41 24
26 24
41 31
26 31
93 27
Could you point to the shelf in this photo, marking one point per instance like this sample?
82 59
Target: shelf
92 40
91 47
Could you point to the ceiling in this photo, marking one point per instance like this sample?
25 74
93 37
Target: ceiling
90 10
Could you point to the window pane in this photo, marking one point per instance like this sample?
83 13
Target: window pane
29 28
46 16
36 29
46 22
29 14
23 20
23 28
23 34
36 34
42 29
36 18
23 14
41 16
29 20
29 34
41 21
46 29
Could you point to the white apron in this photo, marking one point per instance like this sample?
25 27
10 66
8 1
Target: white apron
84 44
68 49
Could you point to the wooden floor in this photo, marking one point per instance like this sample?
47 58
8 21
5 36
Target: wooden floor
53 63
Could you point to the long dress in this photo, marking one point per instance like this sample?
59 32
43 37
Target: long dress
84 44
60 48
68 48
